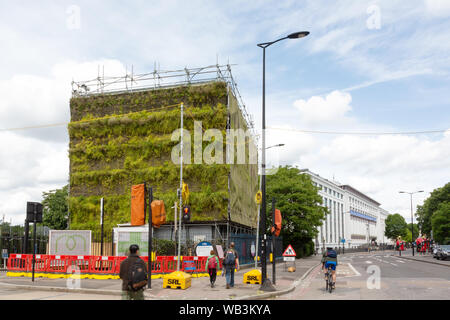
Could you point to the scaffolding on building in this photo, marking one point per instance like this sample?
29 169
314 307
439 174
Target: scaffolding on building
158 79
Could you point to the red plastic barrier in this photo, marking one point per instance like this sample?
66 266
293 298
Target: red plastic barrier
96 264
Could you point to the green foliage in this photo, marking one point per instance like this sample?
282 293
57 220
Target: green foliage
415 230
440 221
119 140
55 208
395 226
430 206
299 202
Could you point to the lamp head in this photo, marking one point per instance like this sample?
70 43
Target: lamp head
297 35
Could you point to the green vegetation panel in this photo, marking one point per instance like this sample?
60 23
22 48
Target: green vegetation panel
119 140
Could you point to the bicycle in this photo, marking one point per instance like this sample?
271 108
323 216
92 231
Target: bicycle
329 280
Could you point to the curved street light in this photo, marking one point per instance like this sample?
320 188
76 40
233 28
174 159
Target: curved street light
266 283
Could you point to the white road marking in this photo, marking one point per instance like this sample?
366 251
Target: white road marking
369 262
354 270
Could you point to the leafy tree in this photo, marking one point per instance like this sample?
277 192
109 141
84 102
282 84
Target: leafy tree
300 205
415 229
55 208
395 225
440 222
425 212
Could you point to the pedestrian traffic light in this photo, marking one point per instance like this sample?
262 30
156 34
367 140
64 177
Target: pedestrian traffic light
186 213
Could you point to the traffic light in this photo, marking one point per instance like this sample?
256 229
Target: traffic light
186 213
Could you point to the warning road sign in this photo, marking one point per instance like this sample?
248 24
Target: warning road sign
289 252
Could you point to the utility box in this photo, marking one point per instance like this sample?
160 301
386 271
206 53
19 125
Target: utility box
253 277
177 280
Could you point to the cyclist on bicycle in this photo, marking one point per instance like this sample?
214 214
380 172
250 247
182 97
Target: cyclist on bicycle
329 258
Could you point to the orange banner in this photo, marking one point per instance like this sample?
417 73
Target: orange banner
277 223
158 213
138 205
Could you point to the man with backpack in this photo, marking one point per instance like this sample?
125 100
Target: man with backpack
330 259
133 272
230 262
211 265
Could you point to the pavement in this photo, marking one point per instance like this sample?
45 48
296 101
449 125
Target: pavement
200 289
428 258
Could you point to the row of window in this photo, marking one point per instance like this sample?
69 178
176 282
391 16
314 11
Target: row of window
329 191
361 204
333 228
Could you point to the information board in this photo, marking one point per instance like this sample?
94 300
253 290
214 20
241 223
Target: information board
70 242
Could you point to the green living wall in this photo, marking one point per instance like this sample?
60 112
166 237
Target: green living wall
118 140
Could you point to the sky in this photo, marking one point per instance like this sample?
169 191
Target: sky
366 67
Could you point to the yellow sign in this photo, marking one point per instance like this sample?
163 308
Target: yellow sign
177 280
253 277
185 193
258 197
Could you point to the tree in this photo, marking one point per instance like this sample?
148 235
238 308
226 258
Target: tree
430 205
55 208
440 222
415 229
395 226
300 205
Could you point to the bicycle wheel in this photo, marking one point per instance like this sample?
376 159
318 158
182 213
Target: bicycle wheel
330 282
330 285
326 284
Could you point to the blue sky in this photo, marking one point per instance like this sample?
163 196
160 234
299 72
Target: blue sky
378 66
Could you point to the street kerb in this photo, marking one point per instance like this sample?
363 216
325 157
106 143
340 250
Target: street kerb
281 292
420 260
61 289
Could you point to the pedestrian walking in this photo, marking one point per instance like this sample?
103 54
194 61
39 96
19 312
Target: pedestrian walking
133 272
212 264
230 262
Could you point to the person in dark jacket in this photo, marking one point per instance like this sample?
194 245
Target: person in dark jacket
125 266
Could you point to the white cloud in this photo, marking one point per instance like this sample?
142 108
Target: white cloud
29 100
331 109
36 160
438 7
378 165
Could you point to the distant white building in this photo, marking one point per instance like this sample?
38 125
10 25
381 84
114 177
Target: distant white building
354 218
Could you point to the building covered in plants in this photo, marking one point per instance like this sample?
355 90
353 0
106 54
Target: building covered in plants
123 136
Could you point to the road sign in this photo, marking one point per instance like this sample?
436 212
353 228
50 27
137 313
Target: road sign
258 197
288 258
343 240
5 253
289 252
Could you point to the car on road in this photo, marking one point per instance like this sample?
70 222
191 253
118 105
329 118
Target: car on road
443 252
435 250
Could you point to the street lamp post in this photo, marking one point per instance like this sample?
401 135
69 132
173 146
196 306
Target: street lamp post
258 222
266 284
412 218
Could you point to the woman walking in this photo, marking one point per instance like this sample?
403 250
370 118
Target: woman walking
211 265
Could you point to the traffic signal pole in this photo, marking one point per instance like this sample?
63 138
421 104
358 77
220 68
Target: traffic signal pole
181 188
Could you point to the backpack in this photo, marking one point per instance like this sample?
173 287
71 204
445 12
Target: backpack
331 254
137 277
212 263
230 259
